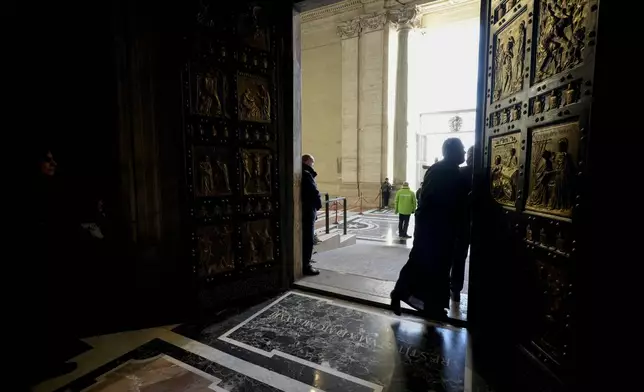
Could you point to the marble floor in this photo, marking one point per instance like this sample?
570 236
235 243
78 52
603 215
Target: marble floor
294 342
369 269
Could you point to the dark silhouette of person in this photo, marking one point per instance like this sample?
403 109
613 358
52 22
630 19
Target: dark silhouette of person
457 275
386 193
440 220
418 193
311 203
50 220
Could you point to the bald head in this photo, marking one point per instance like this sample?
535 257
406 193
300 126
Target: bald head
308 160
454 151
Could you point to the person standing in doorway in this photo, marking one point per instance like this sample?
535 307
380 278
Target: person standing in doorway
418 194
439 222
405 205
311 203
385 188
457 275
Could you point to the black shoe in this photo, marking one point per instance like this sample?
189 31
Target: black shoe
406 236
395 304
456 296
310 271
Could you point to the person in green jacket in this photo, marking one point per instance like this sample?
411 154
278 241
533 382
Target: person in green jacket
405 206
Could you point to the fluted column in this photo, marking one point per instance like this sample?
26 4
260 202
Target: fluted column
405 19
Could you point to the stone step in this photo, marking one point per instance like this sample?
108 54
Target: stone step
334 240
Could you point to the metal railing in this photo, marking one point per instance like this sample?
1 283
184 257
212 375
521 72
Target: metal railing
335 201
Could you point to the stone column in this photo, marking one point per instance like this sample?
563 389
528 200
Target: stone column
349 32
371 105
405 19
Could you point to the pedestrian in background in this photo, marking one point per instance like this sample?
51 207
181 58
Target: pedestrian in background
405 206
385 188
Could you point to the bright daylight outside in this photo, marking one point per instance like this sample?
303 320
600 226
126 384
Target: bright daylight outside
382 90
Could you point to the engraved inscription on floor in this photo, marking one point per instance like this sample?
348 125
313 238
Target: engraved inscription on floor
388 353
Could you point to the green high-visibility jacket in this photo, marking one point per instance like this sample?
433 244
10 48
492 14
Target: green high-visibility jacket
405 201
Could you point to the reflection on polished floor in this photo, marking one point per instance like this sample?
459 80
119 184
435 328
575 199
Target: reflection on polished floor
369 269
295 342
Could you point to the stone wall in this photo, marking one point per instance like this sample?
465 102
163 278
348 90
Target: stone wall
344 72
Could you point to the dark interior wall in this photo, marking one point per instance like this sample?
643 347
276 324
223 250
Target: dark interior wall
99 84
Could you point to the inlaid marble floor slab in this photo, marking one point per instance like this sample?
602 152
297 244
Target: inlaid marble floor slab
338 347
295 343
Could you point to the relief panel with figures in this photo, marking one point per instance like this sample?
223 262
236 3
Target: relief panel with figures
552 170
556 289
254 30
509 58
254 98
504 170
561 36
210 97
257 242
215 252
212 172
257 167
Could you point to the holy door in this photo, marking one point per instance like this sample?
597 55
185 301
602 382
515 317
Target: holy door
231 128
536 94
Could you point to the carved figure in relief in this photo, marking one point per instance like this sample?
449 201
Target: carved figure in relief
497 178
495 119
504 116
504 171
267 175
560 243
569 95
543 237
553 101
528 233
552 175
248 167
250 107
223 261
509 58
513 160
267 243
205 249
506 62
254 99
498 72
223 172
209 102
543 175
266 102
518 64
537 106
205 168
514 114
562 185
561 36
257 172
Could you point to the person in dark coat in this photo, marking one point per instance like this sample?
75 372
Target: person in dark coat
311 203
457 275
50 220
439 222
385 188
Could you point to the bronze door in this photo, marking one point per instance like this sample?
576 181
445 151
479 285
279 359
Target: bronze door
538 67
231 138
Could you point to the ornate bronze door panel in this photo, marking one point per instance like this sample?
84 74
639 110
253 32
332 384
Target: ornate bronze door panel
539 69
231 151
